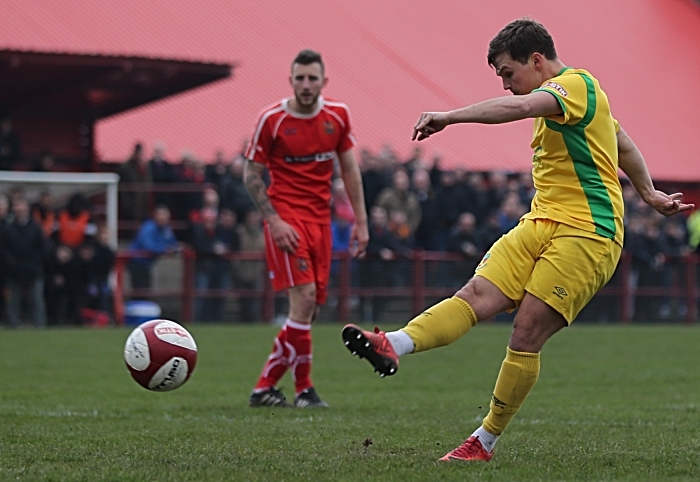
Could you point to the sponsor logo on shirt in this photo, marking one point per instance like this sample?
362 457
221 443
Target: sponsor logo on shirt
318 157
558 88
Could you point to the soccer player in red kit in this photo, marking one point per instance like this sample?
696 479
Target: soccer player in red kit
298 140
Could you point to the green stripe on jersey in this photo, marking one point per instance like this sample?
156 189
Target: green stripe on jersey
575 140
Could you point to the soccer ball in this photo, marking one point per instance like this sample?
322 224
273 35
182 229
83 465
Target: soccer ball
160 355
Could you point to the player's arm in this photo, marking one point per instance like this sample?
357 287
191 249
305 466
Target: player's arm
633 165
284 235
493 111
353 186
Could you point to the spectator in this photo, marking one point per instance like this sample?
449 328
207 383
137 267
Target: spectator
234 194
5 215
374 177
45 163
426 234
674 245
498 187
136 178
415 161
209 204
61 286
398 197
23 249
43 213
213 241
641 242
463 240
249 274
155 237
74 223
375 269
481 200
489 232
162 173
95 260
452 199
219 172
510 212
9 145
192 172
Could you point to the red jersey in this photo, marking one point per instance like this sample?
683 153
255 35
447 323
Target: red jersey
299 151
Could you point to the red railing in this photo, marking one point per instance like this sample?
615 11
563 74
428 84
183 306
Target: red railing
416 288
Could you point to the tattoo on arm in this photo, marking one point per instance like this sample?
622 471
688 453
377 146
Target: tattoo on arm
257 189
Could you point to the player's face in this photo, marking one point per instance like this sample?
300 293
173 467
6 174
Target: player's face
520 79
307 82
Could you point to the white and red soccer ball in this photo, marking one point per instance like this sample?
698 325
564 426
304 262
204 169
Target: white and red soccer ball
160 355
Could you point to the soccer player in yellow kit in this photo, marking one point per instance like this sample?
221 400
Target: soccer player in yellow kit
561 252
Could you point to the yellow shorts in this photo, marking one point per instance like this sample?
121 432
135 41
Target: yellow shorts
561 265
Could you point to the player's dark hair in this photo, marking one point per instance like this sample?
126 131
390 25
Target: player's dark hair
308 57
520 39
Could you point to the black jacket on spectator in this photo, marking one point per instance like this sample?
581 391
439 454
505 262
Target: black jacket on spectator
23 251
203 242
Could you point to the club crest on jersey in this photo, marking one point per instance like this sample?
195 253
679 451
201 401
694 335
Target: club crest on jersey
558 88
302 264
290 131
483 261
328 127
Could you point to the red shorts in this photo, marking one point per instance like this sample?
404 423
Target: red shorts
310 263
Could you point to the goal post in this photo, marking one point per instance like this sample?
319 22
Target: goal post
64 184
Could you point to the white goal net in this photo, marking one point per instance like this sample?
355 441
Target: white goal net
63 185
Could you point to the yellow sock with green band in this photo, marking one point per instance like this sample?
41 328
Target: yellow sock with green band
441 324
518 375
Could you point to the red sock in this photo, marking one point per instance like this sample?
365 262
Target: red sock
277 363
299 341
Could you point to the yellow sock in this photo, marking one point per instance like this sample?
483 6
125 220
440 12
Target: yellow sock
518 375
441 324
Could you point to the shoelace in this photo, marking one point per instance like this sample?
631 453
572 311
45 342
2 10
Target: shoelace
469 448
381 343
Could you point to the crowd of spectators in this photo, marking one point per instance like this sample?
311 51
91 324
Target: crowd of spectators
54 264
413 204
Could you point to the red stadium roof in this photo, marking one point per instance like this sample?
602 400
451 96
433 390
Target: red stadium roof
389 61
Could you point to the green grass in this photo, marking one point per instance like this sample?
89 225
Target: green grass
612 403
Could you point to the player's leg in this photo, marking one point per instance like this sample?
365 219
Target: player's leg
437 326
311 297
497 286
287 272
571 269
534 324
302 306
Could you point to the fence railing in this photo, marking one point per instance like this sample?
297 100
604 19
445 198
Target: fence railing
371 285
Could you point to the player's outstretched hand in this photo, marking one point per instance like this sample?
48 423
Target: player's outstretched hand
285 236
428 124
668 204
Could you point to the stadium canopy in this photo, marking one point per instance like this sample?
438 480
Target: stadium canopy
74 85
389 61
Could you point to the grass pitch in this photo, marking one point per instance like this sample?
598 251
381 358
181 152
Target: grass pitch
612 403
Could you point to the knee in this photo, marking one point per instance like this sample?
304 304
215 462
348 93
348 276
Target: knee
307 300
470 291
530 334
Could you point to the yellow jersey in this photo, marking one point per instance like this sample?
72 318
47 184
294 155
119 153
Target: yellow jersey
575 161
